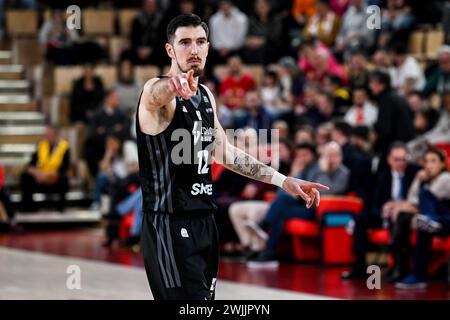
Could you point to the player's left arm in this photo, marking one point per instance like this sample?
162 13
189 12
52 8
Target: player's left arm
240 162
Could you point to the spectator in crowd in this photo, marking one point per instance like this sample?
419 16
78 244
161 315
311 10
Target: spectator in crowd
6 206
111 168
127 88
302 10
359 163
408 75
47 171
358 73
391 184
342 99
323 135
263 36
323 25
329 170
325 109
108 120
317 62
246 212
433 179
362 112
147 36
353 32
255 114
382 61
394 122
290 78
424 120
304 134
57 40
439 81
236 84
271 92
282 127
86 96
396 22
438 134
228 27
339 6
432 190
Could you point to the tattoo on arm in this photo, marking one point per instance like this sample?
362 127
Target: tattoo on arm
250 167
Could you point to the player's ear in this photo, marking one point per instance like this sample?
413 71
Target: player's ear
169 50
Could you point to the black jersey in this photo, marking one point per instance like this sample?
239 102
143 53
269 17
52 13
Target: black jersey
175 165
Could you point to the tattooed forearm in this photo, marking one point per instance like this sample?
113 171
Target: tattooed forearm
250 167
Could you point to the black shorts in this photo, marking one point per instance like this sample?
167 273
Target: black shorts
181 254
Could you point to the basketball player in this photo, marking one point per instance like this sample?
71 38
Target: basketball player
179 235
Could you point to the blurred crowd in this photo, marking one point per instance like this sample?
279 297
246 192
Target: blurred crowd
354 110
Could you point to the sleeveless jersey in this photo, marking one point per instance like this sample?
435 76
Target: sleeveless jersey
175 165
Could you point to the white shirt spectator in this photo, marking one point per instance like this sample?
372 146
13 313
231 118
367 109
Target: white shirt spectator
410 69
228 32
353 23
369 115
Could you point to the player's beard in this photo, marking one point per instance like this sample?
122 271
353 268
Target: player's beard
197 71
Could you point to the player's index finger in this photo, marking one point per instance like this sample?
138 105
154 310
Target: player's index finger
318 186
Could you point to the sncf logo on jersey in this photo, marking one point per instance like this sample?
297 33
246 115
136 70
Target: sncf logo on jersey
200 188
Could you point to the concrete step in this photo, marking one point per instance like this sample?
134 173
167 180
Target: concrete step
11 71
8 87
21 134
71 215
21 118
16 102
5 57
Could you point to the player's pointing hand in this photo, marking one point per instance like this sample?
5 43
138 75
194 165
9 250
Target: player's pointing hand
184 84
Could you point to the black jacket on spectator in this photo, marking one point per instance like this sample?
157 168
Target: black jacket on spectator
383 187
394 123
83 102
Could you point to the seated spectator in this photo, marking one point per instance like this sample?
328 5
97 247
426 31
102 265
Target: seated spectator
107 120
255 114
323 25
329 171
433 185
47 171
433 179
382 61
438 134
396 22
271 92
439 81
391 185
6 207
86 96
362 112
112 167
228 27
147 36
317 62
236 84
408 75
304 134
290 78
57 40
282 127
325 111
341 95
358 73
246 212
263 36
302 10
353 32
127 88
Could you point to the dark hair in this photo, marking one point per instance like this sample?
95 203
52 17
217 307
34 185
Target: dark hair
361 132
382 77
399 48
308 146
343 127
184 20
442 155
334 79
397 145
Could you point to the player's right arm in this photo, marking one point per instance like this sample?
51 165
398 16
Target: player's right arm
159 92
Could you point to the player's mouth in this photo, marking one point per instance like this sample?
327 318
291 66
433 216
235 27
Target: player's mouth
195 61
